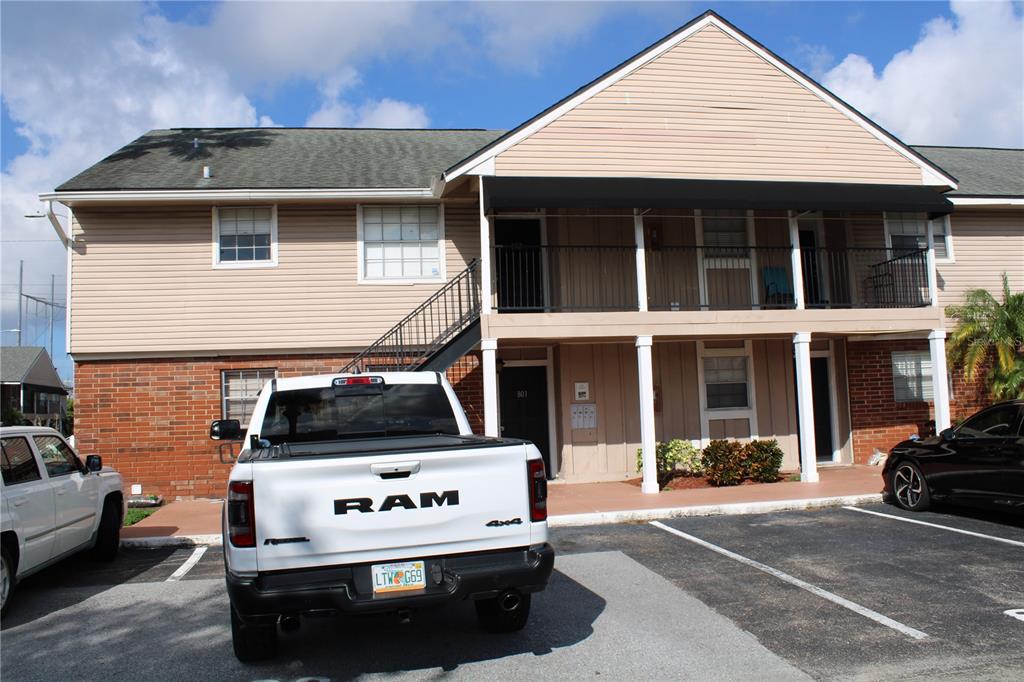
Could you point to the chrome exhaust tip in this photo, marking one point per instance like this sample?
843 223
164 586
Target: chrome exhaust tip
510 601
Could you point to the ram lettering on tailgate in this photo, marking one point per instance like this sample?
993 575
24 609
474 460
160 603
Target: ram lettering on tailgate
365 504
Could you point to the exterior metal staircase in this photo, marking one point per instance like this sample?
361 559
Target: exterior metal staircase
433 336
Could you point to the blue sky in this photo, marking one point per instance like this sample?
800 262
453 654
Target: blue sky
930 72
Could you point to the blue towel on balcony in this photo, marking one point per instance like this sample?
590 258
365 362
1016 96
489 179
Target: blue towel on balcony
777 282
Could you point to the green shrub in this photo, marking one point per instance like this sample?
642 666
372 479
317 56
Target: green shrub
675 455
723 462
762 460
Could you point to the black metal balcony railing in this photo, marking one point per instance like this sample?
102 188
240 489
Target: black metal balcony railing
428 329
531 278
603 278
719 278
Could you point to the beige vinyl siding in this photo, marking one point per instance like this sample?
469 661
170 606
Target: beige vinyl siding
708 108
609 451
986 243
143 282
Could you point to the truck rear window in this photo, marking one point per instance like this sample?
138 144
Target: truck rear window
318 414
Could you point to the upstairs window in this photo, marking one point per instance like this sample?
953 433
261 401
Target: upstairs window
908 232
245 236
725 233
401 243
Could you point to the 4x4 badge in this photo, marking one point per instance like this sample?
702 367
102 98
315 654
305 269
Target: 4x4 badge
511 522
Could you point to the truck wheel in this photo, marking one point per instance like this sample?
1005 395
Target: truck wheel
6 580
252 642
494 616
108 535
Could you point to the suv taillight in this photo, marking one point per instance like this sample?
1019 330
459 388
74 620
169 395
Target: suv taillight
537 481
241 514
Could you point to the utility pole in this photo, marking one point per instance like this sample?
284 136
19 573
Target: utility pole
52 300
21 272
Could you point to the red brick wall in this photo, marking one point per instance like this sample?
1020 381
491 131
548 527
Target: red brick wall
150 419
879 421
466 377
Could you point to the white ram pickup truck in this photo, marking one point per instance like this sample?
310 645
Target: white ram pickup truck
368 493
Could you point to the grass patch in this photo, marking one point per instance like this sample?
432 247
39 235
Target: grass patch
133 516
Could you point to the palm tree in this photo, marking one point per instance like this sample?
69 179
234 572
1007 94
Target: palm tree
985 328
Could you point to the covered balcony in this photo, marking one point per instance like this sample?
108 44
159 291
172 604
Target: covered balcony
707 245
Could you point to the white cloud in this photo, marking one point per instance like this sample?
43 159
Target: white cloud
962 83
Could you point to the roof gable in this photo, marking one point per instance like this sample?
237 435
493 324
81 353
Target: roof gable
28 365
705 102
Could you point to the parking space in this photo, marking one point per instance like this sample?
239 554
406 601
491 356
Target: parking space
738 597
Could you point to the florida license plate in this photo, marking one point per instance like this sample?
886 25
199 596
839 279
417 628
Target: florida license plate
398 577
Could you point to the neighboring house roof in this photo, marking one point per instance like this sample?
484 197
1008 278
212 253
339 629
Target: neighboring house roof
982 171
28 365
280 158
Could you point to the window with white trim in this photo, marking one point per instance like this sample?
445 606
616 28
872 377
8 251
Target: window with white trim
725 382
912 376
245 236
909 232
239 390
402 243
725 231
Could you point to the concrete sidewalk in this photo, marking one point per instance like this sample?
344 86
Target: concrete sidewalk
186 522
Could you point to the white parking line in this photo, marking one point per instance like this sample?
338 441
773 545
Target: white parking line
189 563
1016 543
813 589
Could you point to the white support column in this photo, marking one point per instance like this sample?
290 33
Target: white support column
641 260
488 349
940 384
796 261
805 408
933 285
647 438
485 256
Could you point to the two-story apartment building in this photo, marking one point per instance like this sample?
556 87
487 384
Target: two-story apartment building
701 243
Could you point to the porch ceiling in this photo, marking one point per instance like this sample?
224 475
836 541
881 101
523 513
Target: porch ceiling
523 193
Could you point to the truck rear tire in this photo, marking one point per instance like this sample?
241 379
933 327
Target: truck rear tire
494 618
252 642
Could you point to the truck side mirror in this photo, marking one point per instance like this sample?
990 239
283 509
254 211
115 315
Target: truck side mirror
93 463
226 429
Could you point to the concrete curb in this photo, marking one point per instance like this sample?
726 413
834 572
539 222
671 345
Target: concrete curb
591 519
160 542
636 515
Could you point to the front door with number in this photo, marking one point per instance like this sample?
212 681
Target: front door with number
524 407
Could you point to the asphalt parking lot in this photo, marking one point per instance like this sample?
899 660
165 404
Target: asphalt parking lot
828 594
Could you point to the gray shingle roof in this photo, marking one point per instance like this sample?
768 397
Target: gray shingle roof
981 171
364 158
281 158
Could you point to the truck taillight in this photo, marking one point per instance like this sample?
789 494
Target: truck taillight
241 514
537 481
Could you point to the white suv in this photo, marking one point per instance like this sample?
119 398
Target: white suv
53 504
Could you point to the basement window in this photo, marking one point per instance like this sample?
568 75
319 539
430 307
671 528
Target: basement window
245 237
401 243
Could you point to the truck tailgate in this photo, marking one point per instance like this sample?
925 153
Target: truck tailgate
325 511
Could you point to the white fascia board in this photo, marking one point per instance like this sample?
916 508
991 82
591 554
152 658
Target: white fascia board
929 174
987 201
165 196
